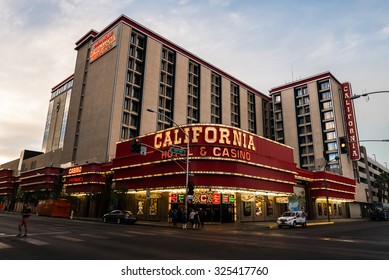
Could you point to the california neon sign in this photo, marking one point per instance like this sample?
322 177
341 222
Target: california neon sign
352 132
212 141
103 45
209 135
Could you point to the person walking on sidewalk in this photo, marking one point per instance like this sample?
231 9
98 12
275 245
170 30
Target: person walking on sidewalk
26 212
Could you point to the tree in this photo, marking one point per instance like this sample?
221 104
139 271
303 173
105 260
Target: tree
382 183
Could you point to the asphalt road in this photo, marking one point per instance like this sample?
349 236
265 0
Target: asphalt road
64 239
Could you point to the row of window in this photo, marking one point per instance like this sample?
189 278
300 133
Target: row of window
334 209
303 119
134 89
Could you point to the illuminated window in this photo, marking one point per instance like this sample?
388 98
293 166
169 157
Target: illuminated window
247 208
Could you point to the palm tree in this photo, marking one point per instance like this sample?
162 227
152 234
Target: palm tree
382 183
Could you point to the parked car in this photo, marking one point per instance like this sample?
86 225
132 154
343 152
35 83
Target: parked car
292 218
120 217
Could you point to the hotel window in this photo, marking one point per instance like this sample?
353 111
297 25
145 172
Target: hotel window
327 105
330 135
332 146
277 118
234 91
193 93
133 87
324 85
329 125
45 147
326 95
251 112
166 89
327 118
303 118
216 112
328 115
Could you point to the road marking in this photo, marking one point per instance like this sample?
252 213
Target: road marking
142 233
94 236
340 240
120 234
33 241
4 246
68 238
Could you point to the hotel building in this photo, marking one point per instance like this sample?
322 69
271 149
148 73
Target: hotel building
251 156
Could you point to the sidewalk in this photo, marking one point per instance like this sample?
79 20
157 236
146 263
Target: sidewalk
249 225
219 226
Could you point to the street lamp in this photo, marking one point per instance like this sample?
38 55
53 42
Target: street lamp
325 185
355 96
187 156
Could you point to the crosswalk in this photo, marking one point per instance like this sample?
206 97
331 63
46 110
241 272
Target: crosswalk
8 241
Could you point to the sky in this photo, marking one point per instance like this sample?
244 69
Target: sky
262 43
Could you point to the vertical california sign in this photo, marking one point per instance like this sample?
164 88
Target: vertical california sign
351 126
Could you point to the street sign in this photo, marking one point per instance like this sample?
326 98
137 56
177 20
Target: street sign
143 150
176 150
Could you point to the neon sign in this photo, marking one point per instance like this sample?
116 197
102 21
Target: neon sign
352 133
103 45
216 198
173 198
209 135
75 170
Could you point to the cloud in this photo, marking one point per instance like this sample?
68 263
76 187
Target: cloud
262 43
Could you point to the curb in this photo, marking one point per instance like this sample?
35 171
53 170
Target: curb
308 224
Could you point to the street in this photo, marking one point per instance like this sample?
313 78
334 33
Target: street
64 239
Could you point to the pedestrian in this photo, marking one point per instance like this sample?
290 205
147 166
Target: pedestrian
184 219
191 217
170 218
26 212
174 217
201 217
196 221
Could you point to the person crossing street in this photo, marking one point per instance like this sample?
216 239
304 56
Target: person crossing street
26 212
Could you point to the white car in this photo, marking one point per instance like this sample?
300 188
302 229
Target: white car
292 218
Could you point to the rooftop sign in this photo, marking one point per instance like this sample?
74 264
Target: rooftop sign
102 46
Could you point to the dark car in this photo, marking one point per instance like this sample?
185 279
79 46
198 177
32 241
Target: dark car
119 217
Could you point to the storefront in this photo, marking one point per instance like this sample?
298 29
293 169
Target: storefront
88 188
237 176
329 194
38 184
8 189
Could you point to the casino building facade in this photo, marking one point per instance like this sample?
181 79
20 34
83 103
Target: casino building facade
130 82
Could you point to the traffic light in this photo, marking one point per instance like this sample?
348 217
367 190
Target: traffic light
190 188
136 145
343 145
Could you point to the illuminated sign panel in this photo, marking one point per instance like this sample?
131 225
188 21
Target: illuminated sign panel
215 141
75 180
181 197
173 198
216 198
75 170
106 43
352 133
228 198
